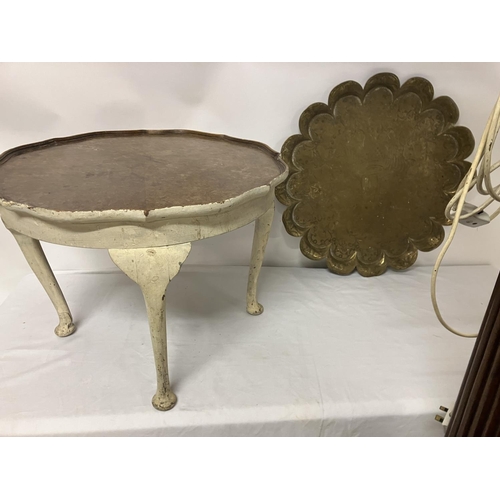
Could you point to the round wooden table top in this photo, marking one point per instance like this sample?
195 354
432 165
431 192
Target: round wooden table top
135 170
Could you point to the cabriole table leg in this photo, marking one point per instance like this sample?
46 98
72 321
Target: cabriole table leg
153 269
35 257
261 235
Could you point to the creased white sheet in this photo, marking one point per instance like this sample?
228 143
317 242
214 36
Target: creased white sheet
330 356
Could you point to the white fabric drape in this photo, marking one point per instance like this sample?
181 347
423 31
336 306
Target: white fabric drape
330 356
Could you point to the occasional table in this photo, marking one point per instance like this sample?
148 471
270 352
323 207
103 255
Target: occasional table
144 195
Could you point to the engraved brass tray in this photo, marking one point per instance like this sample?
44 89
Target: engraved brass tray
371 173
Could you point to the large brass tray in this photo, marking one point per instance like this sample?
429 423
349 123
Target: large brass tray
371 173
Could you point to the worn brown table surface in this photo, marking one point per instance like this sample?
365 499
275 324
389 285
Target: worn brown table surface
135 170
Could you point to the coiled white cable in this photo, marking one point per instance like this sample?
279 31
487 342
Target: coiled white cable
481 164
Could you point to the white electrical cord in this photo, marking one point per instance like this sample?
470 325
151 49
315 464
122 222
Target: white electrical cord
484 186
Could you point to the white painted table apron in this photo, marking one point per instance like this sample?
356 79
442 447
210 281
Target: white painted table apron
149 246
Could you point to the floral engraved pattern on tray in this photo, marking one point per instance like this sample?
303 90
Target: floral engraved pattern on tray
371 173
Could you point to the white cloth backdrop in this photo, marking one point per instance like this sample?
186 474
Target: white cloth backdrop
328 357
